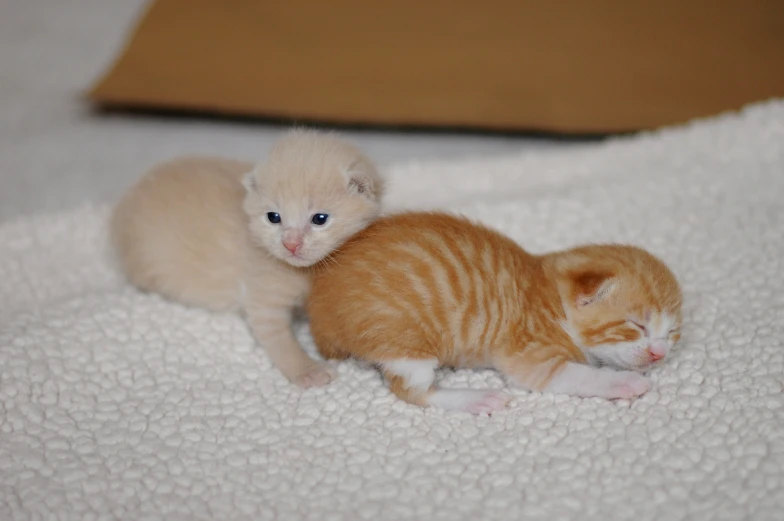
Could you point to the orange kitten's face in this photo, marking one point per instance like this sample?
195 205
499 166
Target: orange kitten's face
628 317
624 339
305 202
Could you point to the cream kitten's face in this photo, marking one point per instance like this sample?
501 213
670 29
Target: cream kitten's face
301 213
627 319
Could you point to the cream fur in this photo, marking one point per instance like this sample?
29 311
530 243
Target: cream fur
195 230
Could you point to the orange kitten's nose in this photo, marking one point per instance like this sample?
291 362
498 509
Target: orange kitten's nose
656 352
292 244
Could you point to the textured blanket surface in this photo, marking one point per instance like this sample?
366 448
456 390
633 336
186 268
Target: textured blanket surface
119 405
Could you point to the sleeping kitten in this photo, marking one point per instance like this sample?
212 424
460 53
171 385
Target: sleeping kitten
226 235
416 291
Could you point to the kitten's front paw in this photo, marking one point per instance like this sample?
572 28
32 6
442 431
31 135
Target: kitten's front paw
628 385
318 375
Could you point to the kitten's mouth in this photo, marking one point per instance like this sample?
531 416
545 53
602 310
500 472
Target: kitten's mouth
295 259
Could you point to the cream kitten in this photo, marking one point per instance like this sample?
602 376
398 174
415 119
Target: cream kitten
226 235
416 291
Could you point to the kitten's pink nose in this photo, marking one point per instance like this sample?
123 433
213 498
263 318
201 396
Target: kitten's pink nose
292 244
657 352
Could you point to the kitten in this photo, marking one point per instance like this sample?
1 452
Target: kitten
416 291
228 236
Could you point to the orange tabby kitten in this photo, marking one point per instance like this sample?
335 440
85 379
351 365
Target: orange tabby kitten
226 235
416 291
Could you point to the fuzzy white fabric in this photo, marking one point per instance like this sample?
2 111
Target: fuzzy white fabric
119 405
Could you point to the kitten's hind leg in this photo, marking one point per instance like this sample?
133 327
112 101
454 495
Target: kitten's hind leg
272 329
475 401
411 380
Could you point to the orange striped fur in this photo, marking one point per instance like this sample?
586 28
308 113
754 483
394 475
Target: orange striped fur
420 290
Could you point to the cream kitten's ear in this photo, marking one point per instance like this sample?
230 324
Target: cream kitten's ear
363 179
590 286
249 181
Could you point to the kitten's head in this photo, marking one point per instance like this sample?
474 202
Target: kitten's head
623 305
313 192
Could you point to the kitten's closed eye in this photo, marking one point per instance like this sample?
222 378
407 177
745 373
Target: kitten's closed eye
639 326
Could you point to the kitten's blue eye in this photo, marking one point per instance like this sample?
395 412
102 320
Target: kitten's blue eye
319 219
273 217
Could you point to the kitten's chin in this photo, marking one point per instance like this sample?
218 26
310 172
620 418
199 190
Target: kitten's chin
618 365
298 261
644 368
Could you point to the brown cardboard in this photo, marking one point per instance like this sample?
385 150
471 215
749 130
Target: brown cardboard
562 66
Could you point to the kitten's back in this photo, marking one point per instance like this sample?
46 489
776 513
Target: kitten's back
180 231
425 276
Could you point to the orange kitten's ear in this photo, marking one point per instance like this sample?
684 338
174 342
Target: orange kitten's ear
363 179
590 286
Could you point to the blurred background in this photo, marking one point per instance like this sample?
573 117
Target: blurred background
92 93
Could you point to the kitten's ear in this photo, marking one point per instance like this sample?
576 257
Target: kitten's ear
249 181
363 179
590 286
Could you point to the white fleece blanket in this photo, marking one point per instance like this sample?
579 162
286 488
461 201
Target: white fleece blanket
118 405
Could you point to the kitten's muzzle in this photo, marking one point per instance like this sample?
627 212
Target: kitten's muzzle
657 350
292 244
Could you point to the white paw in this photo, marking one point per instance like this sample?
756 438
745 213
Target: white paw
318 375
488 403
475 401
627 385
